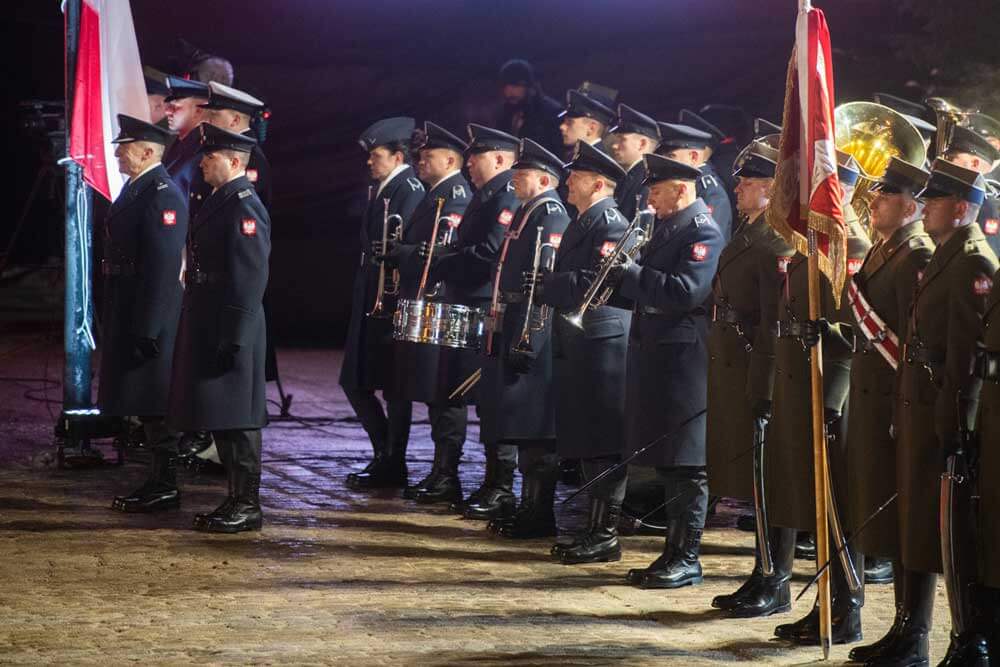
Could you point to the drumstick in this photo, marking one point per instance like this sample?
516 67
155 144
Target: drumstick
467 384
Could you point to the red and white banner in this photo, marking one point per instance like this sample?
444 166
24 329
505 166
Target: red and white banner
807 193
108 81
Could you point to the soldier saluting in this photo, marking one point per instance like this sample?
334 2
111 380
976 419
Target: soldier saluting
218 374
144 237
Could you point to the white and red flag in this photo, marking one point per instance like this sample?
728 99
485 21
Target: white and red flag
807 194
108 81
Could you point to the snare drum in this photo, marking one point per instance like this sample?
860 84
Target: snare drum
446 324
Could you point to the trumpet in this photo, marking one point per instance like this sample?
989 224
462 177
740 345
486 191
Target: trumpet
446 239
535 317
636 236
392 288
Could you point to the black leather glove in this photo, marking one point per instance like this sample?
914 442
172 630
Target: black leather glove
391 254
617 271
528 278
814 330
761 409
225 358
520 362
146 348
440 250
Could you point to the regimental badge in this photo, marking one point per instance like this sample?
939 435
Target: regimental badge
505 217
169 218
552 207
242 195
454 219
458 192
982 285
708 181
555 240
701 219
249 227
699 252
252 175
510 186
783 263
161 186
991 226
415 184
853 266
608 248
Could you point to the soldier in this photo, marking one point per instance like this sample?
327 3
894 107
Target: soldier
143 241
693 146
938 392
368 354
745 291
527 111
880 296
430 373
184 115
972 150
516 394
218 375
584 119
789 459
156 93
589 357
633 137
466 271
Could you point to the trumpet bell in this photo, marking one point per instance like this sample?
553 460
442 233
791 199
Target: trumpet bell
874 134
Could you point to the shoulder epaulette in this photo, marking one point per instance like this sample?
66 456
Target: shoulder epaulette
246 193
702 219
612 215
708 181
553 207
161 185
415 184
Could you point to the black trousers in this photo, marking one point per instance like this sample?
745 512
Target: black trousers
537 458
388 428
158 436
449 425
610 489
686 495
239 449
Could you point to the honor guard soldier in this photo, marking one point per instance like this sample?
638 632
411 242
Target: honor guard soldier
633 137
971 150
938 393
144 237
184 115
789 458
423 372
989 128
589 353
393 196
528 113
745 293
466 270
218 374
516 393
667 361
880 295
693 146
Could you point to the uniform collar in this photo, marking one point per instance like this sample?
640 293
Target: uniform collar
392 174
495 184
144 172
634 165
595 206
684 217
447 176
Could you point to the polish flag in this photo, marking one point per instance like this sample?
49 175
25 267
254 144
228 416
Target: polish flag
108 81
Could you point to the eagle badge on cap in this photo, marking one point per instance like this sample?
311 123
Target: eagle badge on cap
699 252
169 218
249 227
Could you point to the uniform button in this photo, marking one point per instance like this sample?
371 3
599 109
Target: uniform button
906 404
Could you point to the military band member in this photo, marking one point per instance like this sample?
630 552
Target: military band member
938 391
789 458
745 293
430 373
972 150
633 136
217 383
466 270
368 353
694 147
584 119
516 394
144 237
589 359
880 297
184 115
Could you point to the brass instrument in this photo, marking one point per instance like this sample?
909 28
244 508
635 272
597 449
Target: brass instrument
873 134
535 317
948 117
598 294
392 289
421 289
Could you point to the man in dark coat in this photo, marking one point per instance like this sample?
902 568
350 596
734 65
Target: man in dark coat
667 361
745 293
218 375
184 115
144 237
527 111
589 353
633 137
393 195
973 150
424 372
693 146
516 393
938 391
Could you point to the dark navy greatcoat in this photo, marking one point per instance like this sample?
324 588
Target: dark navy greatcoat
668 345
512 405
227 271
588 363
258 173
144 235
183 162
629 188
368 351
710 189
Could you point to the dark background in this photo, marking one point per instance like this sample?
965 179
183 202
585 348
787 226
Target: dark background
329 68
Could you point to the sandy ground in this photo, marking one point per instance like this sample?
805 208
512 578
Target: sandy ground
335 577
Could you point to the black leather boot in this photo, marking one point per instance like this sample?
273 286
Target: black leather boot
636 575
244 513
772 594
878 571
869 651
805 546
535 517
908 646
224 449
383 472
845 608
683 568
969 649
410 492
600 544
442 487
159 492
495 498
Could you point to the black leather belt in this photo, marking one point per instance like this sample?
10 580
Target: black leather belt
988 365
110 269
920 354
513 297
791 329
202 277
